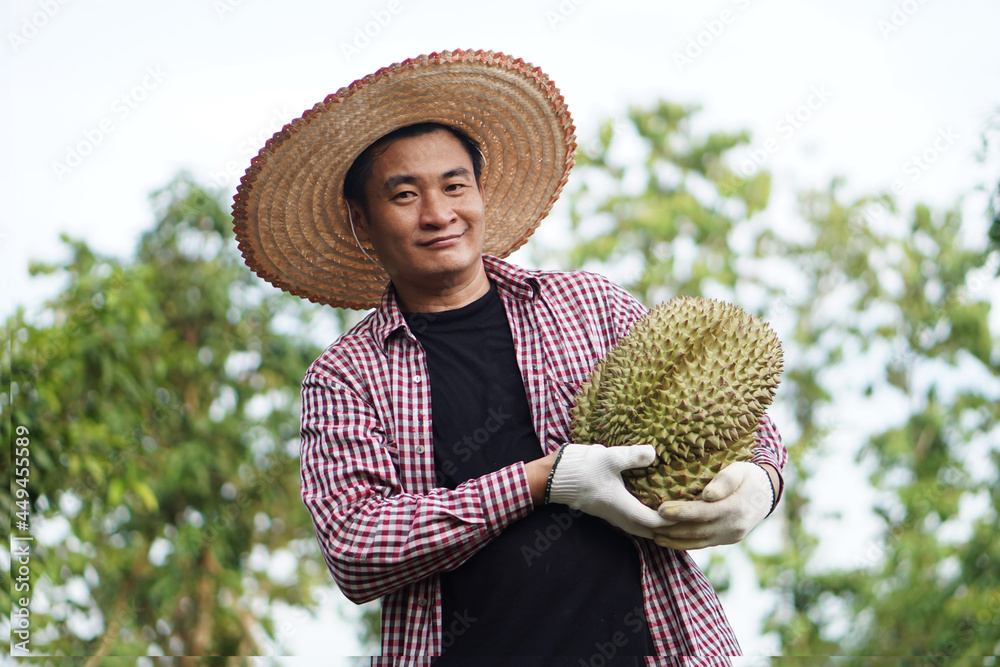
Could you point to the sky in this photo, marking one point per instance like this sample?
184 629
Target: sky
108 100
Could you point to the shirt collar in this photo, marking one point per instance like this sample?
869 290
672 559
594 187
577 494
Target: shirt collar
520 283
510 278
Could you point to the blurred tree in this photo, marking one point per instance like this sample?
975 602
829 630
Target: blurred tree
995 227
991 146
885 314
161 397
905 310
665 212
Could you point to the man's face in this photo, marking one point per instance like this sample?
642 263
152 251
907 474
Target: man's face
425 212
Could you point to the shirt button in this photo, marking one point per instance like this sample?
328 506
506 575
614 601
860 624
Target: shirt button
422 602
419 449
418 379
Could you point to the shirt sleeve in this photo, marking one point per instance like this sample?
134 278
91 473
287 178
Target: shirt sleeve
625 309
375 537
770 449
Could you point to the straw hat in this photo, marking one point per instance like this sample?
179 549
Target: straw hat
290 215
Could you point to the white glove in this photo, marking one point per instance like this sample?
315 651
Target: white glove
732 505
589 478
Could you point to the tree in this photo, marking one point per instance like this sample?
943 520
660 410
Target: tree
919 315
991 145
160 398
896 304
649 214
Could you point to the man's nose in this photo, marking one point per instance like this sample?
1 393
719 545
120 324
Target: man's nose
436 209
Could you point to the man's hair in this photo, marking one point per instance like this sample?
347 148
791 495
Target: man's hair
359 173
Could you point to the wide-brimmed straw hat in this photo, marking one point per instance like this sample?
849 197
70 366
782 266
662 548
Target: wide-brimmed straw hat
290 215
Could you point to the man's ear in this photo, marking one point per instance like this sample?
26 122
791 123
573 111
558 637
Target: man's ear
359 220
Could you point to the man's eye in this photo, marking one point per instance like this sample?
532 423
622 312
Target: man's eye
404 195
454 187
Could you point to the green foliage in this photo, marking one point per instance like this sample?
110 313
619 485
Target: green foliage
162 402
897 306
994 233
910 301
676 206
991 143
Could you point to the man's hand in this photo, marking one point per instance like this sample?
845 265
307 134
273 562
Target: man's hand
732 505
589 478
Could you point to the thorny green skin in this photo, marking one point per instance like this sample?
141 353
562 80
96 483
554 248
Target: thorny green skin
693 377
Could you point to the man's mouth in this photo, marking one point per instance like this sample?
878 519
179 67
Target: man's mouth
441 241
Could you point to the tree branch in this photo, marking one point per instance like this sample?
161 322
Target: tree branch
203 629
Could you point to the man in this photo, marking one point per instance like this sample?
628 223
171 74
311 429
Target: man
435 460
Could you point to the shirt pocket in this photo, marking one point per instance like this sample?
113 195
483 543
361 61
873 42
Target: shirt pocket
561 399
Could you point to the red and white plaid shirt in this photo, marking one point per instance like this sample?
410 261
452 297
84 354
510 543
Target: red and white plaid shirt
386 531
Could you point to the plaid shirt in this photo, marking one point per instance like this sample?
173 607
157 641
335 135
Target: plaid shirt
367 461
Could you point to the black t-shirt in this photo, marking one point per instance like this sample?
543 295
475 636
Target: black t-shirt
557 582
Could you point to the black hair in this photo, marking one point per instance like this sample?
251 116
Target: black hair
359 173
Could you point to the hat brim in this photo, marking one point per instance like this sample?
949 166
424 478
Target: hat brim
289 212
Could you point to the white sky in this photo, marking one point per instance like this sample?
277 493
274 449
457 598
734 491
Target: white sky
205 82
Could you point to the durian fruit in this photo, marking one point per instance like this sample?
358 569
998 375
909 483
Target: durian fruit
693 378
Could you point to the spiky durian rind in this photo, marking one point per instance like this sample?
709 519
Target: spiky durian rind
692 377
